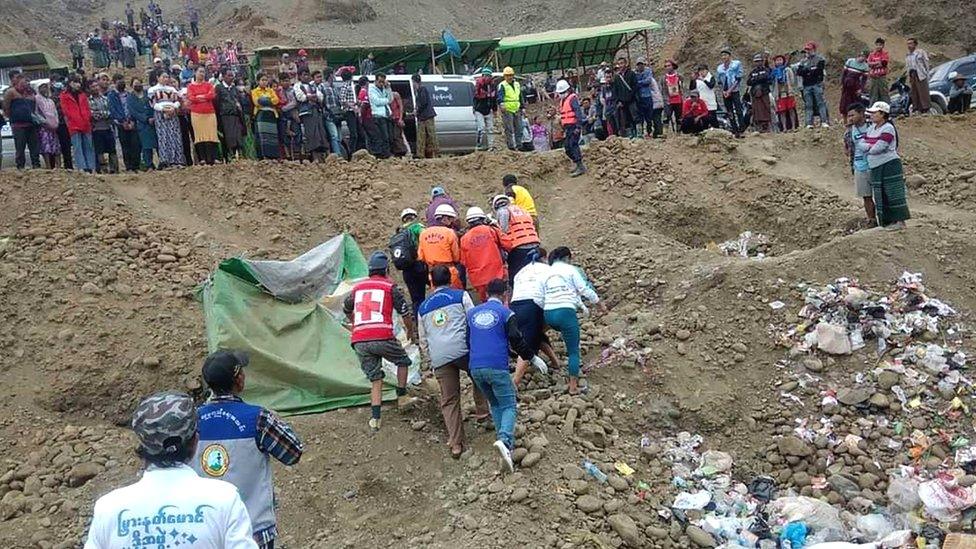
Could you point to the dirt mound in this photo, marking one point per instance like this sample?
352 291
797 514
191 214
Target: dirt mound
97 275
345 11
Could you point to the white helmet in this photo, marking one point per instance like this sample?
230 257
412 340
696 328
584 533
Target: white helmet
406 212
562 86
500 200
475 212
445 210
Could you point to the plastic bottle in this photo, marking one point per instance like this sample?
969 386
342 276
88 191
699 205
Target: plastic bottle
595 472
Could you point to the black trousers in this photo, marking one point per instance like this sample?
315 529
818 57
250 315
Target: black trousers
960 103
519 258
352 124
733 109
65 140
206 152
379 140
131 149
415 279
27 138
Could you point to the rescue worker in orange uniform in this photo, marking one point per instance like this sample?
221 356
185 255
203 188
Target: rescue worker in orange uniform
482 252
519 235
571 116
439 244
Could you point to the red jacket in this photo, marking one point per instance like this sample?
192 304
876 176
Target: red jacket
481 254
694 108
201 97
77 113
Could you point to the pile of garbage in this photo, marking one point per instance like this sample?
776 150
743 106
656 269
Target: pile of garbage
716 510
747 244
842 317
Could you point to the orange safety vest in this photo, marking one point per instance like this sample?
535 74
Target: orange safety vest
521 229
567 115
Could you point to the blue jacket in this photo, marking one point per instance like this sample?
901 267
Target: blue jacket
116 108
644 80
729 78
492 327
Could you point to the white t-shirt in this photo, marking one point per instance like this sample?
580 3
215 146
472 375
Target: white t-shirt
171 507
566 287
530 283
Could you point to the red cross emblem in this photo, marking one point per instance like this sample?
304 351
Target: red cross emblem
369 306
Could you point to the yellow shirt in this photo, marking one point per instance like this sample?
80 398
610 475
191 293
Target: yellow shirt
258 93
524 200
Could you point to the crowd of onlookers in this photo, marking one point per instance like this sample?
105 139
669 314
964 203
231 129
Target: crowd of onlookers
767 96
196 104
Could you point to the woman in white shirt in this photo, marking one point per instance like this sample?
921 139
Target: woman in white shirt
565 289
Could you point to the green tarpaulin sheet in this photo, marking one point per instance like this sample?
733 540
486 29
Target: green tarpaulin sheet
301 360
567 48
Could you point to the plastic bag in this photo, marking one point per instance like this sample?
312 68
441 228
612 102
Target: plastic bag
821 518
903 493
944 500
687 500
713 462
873 527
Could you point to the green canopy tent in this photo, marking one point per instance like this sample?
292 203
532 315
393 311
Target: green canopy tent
561 49
33 64
285 314
414 56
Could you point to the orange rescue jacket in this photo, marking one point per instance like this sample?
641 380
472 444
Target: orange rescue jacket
481 254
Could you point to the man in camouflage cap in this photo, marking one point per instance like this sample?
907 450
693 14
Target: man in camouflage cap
204 513
165 422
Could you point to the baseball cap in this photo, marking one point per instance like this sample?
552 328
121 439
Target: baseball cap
161 418
378 261
221 367
879 106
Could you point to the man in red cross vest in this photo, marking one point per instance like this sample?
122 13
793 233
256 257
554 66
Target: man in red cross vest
370 307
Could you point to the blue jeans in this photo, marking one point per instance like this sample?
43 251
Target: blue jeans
83 152
813 97
334 142
567 323
498 388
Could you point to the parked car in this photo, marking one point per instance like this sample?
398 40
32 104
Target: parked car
900 95
939 79
453 98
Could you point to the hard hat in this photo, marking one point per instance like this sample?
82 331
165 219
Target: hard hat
496 202
509 71
406 212
474 212
437 191
562 86
445 210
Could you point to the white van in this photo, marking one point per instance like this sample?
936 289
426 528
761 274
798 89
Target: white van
453 99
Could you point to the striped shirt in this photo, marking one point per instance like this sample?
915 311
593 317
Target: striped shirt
880 144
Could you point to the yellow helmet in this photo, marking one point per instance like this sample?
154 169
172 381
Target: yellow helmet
508 71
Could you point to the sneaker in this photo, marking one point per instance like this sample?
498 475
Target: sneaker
374 424
540 365
897 226
507 464
809 126
406 402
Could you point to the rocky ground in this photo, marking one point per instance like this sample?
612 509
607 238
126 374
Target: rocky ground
98 272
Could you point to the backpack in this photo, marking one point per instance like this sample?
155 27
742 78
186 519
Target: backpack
403 250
